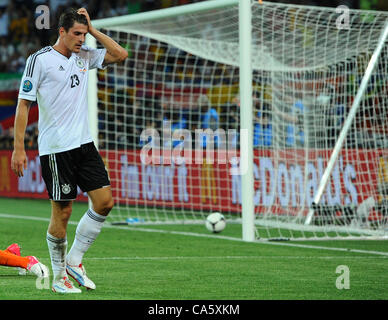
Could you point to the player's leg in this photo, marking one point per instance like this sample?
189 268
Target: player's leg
30 263
56 236
57 244
92 178
14 248
59 176
9 259
90 224
102 200
87 231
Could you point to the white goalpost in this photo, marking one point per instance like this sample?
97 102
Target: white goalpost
272 114
246 114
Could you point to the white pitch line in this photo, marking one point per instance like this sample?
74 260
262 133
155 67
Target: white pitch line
229 257
202 235
199 258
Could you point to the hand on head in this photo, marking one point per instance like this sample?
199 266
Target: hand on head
86 14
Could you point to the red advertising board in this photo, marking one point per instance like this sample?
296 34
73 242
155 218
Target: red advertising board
283 183
31 185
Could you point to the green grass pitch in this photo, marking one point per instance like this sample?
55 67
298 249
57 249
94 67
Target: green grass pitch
186 262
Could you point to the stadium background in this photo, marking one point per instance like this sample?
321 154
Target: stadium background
283 273
19 38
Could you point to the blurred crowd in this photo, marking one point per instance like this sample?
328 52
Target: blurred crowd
19 36
30 138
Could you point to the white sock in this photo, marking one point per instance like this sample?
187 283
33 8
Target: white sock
87 231
57 249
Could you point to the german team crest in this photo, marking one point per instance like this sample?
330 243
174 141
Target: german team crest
66 189
80 63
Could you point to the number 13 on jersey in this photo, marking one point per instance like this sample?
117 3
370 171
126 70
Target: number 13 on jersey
74 80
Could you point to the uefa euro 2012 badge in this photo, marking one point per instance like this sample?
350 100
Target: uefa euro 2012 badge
27 86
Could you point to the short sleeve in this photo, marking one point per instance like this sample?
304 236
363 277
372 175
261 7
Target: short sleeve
96 57
30 79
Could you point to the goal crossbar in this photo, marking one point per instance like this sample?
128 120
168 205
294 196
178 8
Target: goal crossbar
164 13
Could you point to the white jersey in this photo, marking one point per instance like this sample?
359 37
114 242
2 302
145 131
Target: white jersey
59 84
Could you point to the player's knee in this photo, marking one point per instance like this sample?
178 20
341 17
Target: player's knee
105 206
108 206
65 213
63 210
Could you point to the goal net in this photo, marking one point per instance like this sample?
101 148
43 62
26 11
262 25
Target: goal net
169 118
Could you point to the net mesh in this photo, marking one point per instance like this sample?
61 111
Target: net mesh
182 78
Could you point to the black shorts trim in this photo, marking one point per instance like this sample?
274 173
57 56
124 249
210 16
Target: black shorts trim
82 167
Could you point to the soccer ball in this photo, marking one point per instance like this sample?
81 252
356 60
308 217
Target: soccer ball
215 222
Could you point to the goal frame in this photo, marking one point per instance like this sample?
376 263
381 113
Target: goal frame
246 115
246 90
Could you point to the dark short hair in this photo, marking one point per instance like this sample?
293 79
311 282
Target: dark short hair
69 17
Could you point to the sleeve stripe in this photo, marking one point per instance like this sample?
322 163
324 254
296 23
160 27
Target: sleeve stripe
31 64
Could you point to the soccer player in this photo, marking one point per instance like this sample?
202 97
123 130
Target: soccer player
57 77
11 257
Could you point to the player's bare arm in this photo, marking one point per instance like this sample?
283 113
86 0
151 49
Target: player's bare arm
19 158
114 52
